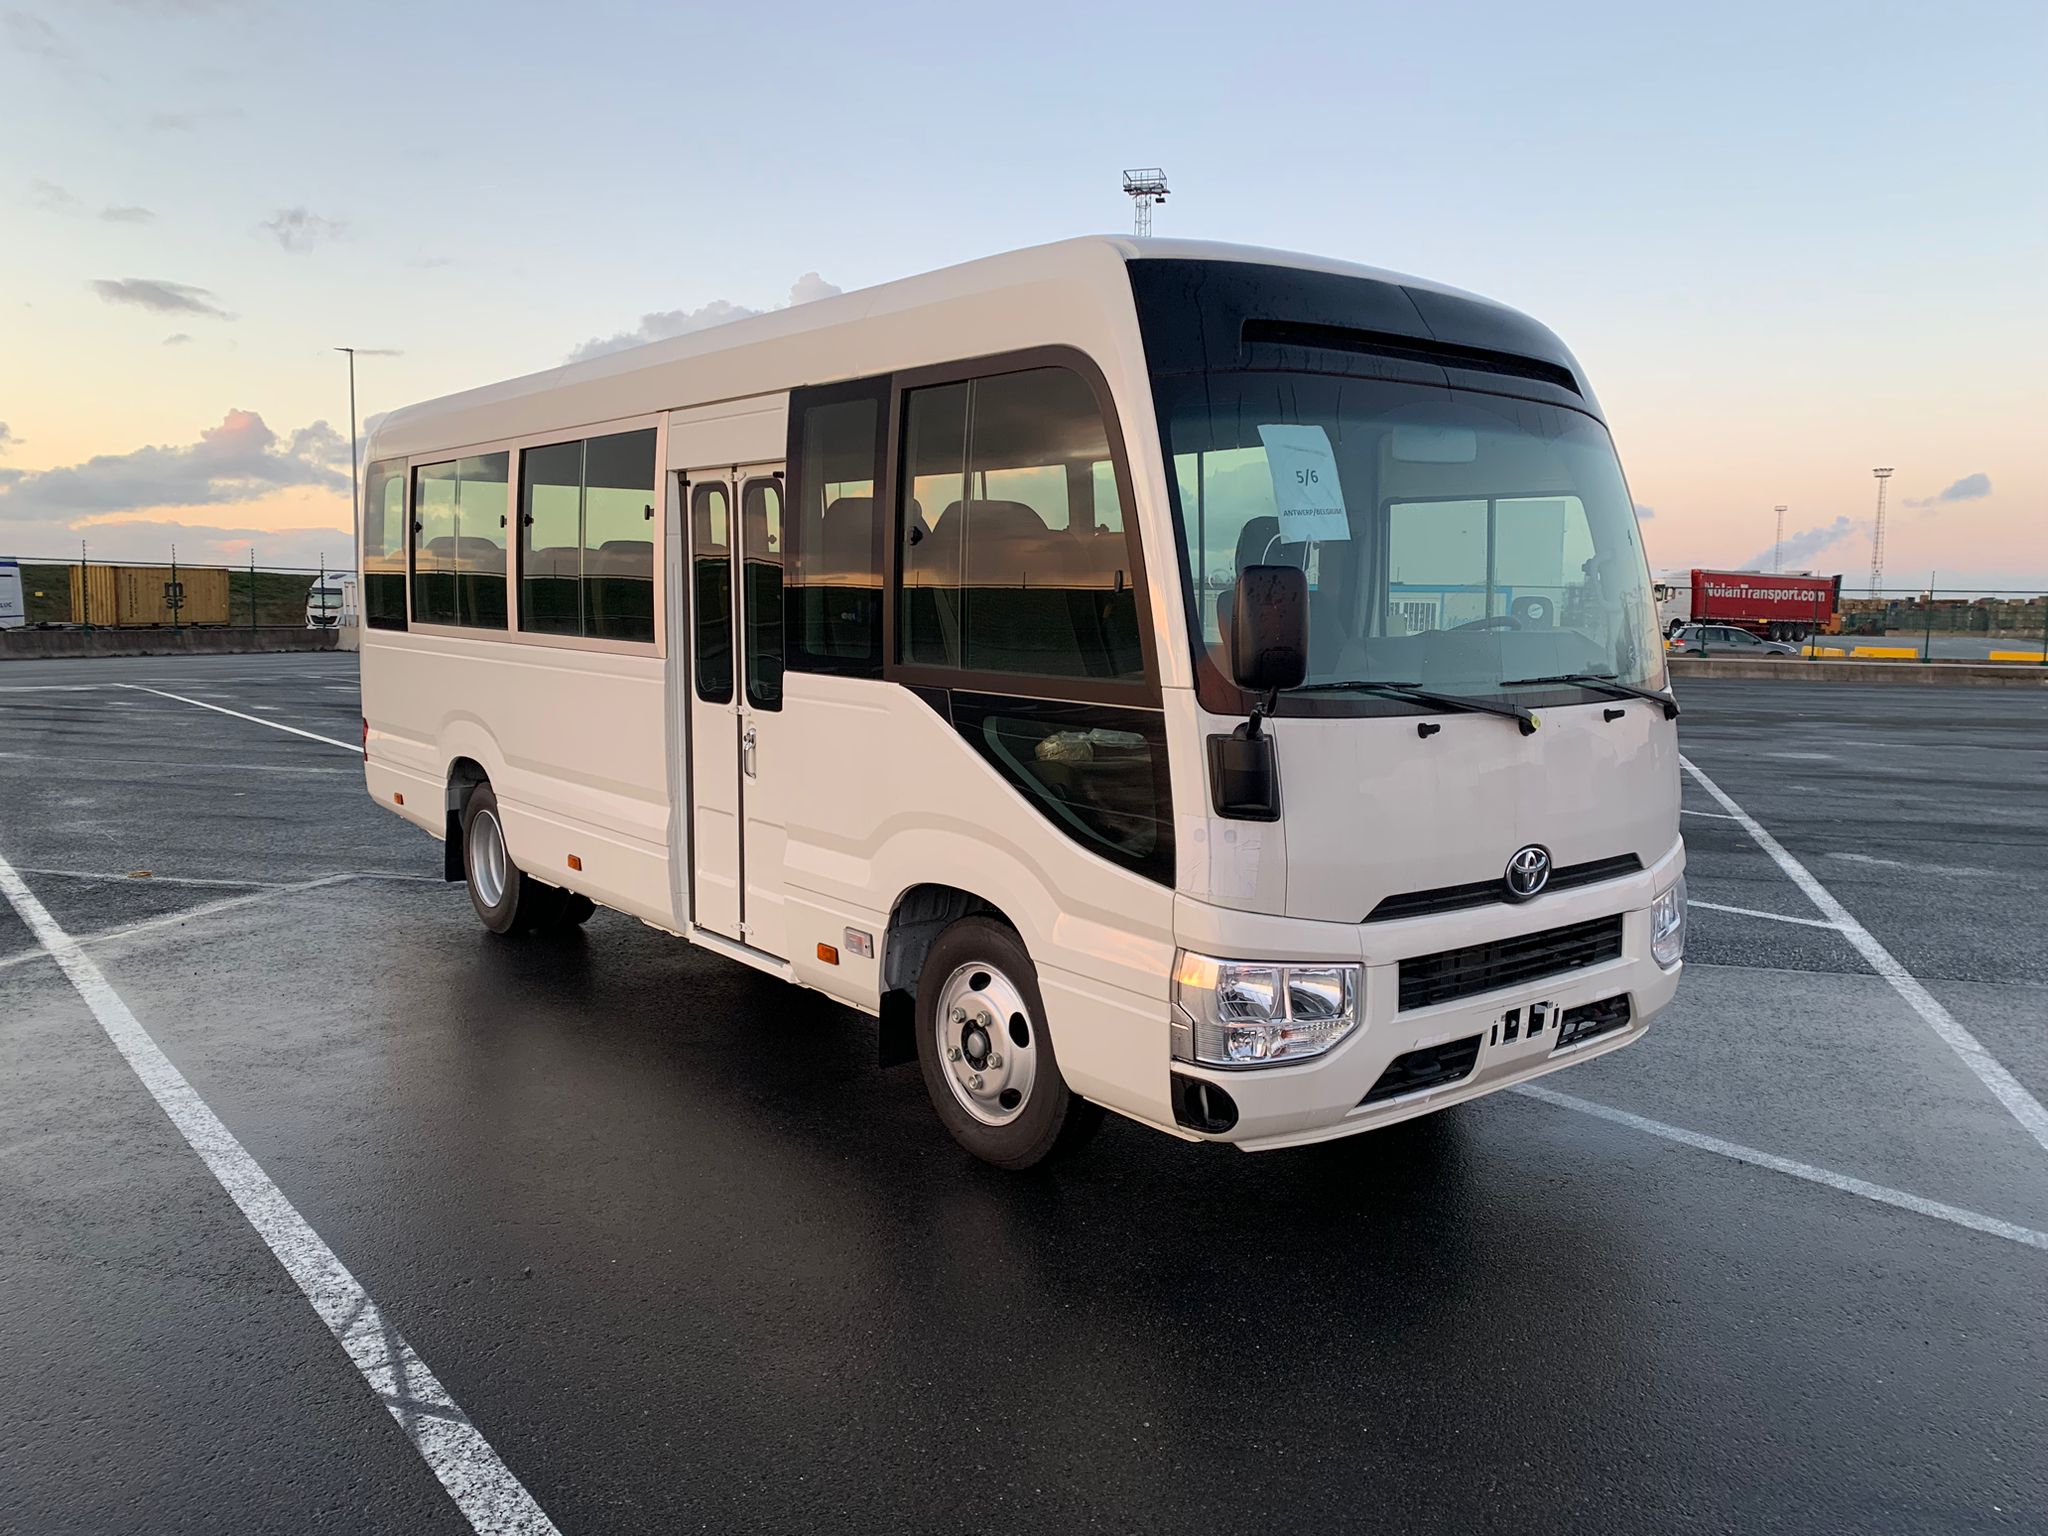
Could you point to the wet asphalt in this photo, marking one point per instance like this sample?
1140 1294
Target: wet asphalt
691 1261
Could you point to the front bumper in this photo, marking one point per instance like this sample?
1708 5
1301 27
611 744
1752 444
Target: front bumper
1327 1097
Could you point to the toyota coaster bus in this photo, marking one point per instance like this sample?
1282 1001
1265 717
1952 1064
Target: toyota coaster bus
1204 683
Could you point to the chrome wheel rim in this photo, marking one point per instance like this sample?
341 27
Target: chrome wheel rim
487 861
988 1043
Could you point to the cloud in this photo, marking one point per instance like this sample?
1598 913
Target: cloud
1643 513
179 340
50 197
32 34
1969 488
300 229
811 287
8 440
239 460
1807 542
663 324
165 298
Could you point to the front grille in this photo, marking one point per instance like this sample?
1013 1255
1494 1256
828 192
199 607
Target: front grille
1483 893
1430 1067
1455 973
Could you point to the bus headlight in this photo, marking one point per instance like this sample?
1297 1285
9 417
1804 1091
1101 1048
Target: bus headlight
1256 1014
1667 925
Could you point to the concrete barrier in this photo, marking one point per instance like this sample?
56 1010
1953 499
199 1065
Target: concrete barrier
1939 674
48 644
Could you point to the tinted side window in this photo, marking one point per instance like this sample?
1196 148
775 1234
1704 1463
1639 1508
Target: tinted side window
586 537
711 579
1096 772
618 536
551 539
384 545
458 531
761 560
833 615
1011 562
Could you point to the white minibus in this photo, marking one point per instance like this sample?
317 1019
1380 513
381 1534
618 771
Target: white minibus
331 601
1209 684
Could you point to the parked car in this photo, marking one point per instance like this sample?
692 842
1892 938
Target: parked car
1724 640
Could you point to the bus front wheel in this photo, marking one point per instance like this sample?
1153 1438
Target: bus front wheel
985 1055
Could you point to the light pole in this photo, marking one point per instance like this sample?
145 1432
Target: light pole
355 491
1778 549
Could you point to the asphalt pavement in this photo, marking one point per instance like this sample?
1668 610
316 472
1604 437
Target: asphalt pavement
687 1259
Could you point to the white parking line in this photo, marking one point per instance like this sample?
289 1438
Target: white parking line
1710 815
482 1486
2022 1105
346 746
141 878
183 914
1976 1221
1776 917
214 909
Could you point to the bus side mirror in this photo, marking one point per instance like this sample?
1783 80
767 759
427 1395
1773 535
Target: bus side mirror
1269 628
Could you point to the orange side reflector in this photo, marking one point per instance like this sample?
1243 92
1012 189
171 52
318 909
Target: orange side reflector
575 862
828 954
397 798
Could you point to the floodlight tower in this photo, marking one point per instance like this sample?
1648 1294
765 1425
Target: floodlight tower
1778 549
1145 186
1877 535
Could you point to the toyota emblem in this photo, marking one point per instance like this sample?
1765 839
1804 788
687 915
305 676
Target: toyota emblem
1528 872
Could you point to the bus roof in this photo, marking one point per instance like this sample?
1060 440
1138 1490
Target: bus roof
599 388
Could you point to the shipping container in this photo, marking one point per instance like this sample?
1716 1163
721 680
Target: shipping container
1774 607
145 596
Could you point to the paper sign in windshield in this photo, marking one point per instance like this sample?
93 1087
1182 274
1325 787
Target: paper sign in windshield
1305 489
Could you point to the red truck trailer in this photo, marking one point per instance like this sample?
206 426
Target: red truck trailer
1774 607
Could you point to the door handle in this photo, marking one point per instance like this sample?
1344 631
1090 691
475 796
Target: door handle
747 751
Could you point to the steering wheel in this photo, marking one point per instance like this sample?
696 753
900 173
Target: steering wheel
1493 621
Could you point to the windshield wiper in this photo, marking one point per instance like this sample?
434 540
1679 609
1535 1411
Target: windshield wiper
1604 682
1417 694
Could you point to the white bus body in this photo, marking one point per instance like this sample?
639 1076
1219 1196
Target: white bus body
13 606
960 742
331 602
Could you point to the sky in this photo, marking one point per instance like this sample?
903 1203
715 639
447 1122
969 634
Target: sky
1789 242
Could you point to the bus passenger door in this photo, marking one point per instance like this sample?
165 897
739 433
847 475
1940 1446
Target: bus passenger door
714 742
737 782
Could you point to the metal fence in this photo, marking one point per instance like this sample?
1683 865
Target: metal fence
168 594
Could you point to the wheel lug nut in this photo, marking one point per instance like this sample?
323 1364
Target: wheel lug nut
987 1022
995 1058
959 1015
952 1053
976 1081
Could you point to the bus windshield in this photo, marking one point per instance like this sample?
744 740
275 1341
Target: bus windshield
1452 539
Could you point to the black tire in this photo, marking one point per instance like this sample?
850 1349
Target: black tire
1050 1120
522 904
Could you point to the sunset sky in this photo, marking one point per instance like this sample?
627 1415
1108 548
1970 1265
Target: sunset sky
1788 241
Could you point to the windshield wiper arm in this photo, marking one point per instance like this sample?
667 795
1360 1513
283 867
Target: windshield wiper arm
1604 682
1417 694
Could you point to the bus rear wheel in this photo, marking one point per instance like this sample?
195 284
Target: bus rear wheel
985 1055
505 896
